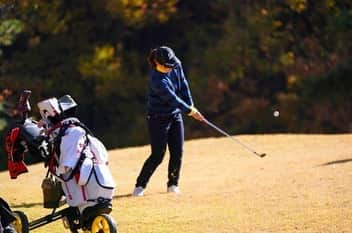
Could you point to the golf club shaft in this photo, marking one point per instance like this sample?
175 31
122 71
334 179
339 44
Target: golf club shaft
231 137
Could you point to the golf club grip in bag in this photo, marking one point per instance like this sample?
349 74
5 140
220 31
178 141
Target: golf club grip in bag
23 105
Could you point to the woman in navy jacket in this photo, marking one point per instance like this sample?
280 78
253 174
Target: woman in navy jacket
169 97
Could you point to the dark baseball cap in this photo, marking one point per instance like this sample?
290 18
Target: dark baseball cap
166 57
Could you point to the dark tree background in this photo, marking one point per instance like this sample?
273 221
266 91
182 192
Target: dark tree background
244 59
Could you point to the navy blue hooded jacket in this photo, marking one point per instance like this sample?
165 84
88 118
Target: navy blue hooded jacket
169 92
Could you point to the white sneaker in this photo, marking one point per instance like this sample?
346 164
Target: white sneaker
173 189
138 191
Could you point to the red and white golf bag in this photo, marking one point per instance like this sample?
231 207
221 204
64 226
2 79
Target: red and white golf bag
82 166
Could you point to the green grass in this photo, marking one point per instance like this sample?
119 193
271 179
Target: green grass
303 185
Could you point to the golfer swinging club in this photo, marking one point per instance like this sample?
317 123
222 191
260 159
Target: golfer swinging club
169 96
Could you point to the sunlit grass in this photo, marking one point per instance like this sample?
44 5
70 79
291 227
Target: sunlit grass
303 185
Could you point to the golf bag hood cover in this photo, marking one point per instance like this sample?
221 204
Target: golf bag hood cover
15 153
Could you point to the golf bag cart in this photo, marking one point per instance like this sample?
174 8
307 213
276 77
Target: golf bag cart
27 136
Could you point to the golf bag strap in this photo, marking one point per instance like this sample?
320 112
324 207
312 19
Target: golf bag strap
62 131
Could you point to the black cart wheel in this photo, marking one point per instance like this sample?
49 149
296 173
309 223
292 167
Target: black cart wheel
71 219
103 223
21 224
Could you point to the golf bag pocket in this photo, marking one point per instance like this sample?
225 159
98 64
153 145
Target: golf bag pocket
85 171
101 183
76 195
103 176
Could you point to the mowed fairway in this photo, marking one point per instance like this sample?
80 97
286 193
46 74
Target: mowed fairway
304 184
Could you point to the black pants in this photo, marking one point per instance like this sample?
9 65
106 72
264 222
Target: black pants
164 131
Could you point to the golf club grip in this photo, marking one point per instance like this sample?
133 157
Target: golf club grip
23 103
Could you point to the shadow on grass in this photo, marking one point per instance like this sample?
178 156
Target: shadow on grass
27 205
336 162
122 196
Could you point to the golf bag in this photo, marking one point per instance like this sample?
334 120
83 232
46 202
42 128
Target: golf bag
87 187
90 181
25 137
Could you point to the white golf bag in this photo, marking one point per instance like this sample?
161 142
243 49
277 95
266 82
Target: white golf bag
90 182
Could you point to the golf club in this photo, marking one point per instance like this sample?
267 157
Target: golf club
233 138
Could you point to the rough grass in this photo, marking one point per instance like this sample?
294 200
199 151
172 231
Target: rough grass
303 185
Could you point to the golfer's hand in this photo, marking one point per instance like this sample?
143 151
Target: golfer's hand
198 116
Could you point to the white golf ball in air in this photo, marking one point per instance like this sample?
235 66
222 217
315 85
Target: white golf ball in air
276 113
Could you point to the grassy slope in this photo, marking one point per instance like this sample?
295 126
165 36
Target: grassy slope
303 185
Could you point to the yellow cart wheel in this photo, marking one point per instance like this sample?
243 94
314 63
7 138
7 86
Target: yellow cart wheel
103 223
21 224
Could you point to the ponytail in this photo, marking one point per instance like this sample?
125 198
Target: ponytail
151 58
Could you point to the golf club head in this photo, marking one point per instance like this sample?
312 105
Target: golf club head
260 155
